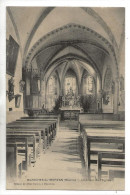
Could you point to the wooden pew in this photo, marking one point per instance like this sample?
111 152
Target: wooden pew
51 124
101 140
42 129
111 159
100 124
13 138
25 132
22 138
40 117
45 117
11 160
17 156
16 136
27 129
37 120
45 132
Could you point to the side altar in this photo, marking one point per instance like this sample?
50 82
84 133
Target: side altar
70 106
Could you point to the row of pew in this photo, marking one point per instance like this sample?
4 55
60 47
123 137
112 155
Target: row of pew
103 145
26 139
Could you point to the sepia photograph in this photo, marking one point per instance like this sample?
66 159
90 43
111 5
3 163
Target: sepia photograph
65 98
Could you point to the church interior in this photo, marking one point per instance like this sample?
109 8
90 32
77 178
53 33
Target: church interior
65 96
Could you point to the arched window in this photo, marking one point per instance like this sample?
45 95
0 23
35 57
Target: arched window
52 86
108 80
89 85
51 92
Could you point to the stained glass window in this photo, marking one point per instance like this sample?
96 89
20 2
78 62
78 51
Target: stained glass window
51 92
52 85
89 85
108 80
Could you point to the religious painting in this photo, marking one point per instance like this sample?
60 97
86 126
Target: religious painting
12 49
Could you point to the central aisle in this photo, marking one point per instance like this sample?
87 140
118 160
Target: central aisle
62 159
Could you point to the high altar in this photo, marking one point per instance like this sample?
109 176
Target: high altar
70 106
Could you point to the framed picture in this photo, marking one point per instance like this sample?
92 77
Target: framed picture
12 49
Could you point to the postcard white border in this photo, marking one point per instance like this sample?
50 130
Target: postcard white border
72 3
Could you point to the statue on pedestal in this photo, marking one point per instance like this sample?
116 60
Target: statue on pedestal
21 86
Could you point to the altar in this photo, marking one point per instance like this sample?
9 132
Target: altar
70 106
69 113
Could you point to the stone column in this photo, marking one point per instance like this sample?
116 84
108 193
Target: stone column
42 92
116 96
28 83
96 93
99 95
45 92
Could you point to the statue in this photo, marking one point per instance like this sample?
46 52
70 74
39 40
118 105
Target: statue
11 86
43 109
70 97
70 92
21 86
11 89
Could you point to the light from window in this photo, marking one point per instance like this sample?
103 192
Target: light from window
89 85
51 85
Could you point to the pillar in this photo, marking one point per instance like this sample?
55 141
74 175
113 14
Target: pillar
42 92
116 96
28 83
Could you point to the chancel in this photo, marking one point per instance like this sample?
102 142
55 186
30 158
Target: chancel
66 97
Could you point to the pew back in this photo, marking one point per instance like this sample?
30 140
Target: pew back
101 139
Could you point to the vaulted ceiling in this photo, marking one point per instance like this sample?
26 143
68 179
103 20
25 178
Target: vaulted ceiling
49 34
